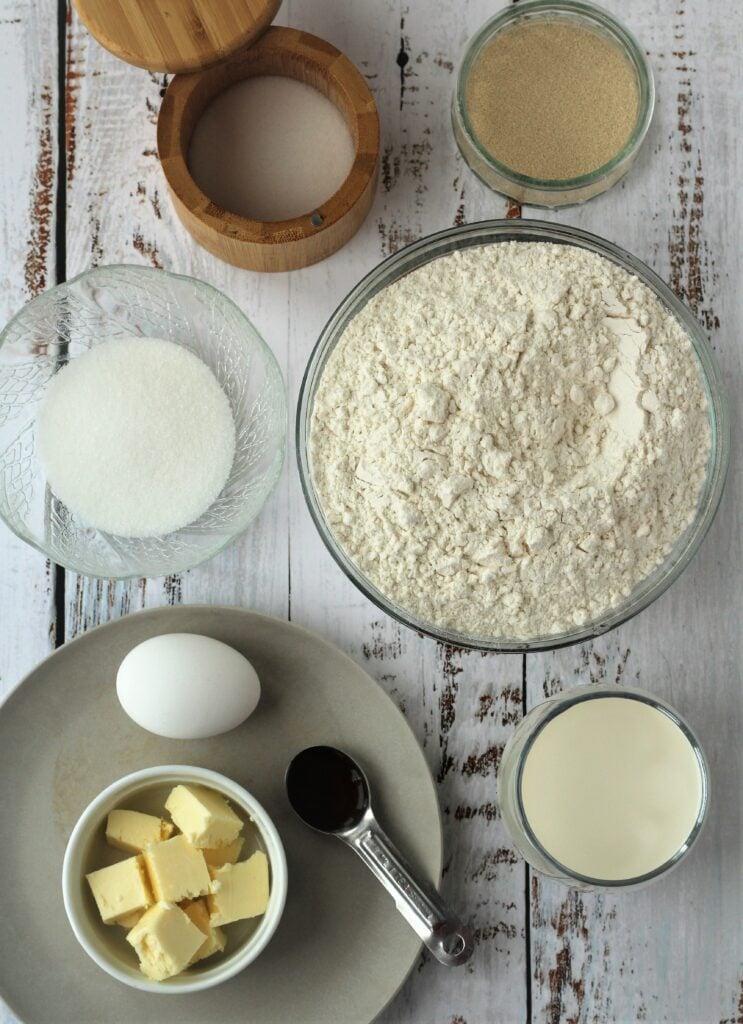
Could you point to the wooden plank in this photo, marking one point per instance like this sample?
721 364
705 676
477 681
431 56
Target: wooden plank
28 159
119 212
673 951
28 166
461 706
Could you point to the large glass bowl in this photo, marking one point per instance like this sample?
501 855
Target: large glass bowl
107 303
489 233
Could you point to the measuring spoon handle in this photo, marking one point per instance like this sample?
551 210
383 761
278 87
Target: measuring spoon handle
420 904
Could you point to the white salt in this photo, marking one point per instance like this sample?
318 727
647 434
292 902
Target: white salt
270 148
136 437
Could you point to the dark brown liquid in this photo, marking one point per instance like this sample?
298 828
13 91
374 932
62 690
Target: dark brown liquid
326 789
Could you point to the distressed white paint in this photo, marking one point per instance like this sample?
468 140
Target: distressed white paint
672 952
28 140
28 148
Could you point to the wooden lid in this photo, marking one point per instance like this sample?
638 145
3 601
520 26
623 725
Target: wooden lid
176 35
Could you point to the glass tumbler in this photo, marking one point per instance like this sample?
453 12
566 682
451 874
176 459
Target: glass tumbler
511 787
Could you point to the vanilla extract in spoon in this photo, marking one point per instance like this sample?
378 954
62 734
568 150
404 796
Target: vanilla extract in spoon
330 792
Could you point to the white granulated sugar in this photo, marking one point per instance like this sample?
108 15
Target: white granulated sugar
136 437
510 438
271 148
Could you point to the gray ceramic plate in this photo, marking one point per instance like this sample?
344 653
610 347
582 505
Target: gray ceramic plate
341 950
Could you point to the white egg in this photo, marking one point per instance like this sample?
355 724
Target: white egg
186 687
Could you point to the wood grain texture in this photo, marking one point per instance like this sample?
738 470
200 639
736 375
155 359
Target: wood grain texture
119 212
672 952
460 705
176 35
28 163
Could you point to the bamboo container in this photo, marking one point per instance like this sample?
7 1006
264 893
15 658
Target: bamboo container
286 244
212 46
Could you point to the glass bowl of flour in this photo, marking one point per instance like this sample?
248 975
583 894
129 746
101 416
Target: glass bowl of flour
142 422
512 436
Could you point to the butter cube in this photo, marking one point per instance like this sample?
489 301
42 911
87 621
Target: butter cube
240 890
215 940
129 920
177 870
132 831
120 889
224 854
204 817
165 940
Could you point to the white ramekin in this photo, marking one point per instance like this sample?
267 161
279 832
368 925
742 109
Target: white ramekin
81 911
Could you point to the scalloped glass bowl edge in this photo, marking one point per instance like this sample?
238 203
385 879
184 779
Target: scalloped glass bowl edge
99 305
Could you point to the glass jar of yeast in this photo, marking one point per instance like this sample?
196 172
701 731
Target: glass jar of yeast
603 787
553 101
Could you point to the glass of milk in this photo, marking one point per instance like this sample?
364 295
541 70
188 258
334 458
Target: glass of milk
603 786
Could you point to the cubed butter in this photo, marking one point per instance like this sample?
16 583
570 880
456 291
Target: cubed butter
204 817
165 939
121 889
132 830
177 870
224 854
129 920
241 890
215 940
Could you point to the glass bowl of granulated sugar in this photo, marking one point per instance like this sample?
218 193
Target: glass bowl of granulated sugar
142 422
512 436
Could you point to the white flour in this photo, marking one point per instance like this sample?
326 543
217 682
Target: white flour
510 438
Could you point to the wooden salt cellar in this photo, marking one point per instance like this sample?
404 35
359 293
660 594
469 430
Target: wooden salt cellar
286 244
200 37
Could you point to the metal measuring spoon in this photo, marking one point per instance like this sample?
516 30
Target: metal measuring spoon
330 793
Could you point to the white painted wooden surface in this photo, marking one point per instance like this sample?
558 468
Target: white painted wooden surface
672 952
